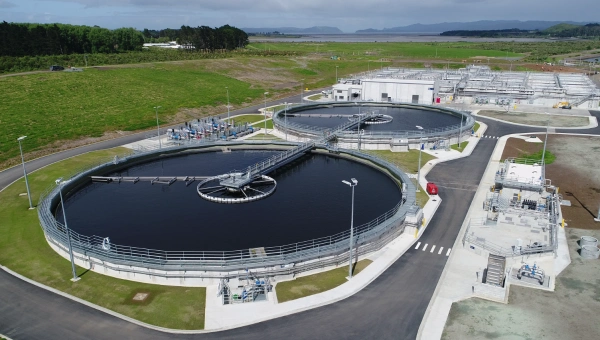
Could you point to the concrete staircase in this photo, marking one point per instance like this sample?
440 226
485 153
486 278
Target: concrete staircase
495 270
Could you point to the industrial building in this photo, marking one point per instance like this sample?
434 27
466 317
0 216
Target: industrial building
475 84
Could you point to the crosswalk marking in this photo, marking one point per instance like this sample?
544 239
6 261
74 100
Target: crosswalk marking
432 249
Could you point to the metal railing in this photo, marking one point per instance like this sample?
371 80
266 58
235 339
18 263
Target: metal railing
493 248
304 255
311 130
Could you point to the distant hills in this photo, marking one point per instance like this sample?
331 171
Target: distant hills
295 30
473 25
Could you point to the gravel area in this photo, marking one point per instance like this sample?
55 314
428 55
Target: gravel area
537 119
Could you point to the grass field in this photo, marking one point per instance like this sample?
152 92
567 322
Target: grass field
262 124
250 119
317 283
25 250
376 50
54 109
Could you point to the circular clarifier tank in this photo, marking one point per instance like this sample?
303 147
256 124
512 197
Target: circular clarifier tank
310 201
402 118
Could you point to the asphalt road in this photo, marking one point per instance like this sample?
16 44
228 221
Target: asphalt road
391 307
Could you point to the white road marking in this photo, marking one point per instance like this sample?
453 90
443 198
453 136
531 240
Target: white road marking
439 252
425 247
448 252
418 244
432 249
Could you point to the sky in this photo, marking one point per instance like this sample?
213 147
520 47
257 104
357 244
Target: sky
347 15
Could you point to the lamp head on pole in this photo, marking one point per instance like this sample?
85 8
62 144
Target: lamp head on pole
354 182
21 138
157 107
58 181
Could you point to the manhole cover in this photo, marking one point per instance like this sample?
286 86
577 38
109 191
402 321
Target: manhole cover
140 296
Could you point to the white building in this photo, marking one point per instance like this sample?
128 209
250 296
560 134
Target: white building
398 90
475 84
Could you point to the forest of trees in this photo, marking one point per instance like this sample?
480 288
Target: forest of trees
201 38
17 40
558 31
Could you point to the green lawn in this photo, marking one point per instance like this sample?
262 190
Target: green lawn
476 126
408 162
315 97
52 107
262 136
248 119
377 50
463 145
262 124
317 283
25 250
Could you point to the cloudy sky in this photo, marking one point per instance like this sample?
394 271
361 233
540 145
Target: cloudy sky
348 15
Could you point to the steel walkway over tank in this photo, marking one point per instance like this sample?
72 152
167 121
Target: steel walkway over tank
237 179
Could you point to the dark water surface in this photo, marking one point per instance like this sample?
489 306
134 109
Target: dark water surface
404 119
310 202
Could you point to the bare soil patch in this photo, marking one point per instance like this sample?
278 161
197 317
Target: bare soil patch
536 119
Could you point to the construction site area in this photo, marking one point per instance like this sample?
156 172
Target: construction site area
474 84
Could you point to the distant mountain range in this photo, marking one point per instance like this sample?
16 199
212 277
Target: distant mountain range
295 30
473 25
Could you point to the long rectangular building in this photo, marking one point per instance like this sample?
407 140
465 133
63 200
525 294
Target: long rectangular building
475 84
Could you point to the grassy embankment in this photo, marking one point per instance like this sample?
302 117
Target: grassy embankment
25 250
317 283
56 108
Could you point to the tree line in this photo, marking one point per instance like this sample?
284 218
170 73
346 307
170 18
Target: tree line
585 31
201 38
18 40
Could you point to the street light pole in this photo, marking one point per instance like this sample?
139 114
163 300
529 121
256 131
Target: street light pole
75 278
336 76
352 185
544 152
158 127
25 171
301 93
265 111
227 88
419 168
460 131
286 127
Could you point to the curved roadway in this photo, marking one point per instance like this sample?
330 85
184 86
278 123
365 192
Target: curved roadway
391 307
